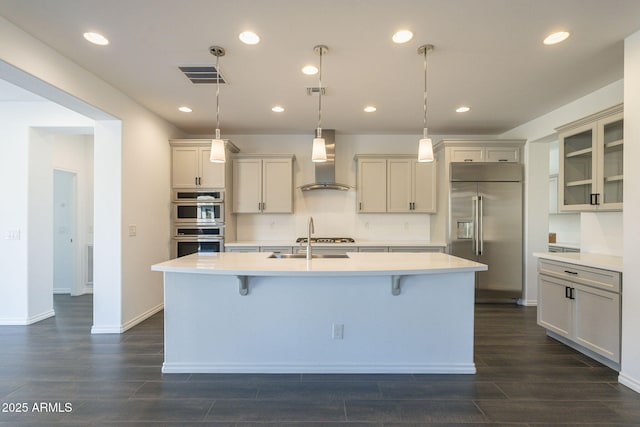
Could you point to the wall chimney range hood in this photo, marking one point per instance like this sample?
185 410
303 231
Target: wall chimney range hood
326 171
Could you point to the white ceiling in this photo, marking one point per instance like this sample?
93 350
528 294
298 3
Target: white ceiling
488 54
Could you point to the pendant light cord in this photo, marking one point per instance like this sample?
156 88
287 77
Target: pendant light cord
425 92
217 96
319 131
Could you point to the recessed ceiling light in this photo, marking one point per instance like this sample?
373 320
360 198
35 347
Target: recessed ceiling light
277 109
462 109
96 38
185 109
310 70
554 38
370 109
249 37
402 36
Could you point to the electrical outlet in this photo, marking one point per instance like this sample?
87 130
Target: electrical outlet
338 331
133 230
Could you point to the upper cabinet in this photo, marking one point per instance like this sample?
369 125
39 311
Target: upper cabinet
190 165
591 157
263 184
395 184
485 154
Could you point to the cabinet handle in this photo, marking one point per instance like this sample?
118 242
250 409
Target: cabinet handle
468 160
196 180
593 199
598 199
360 208
567 292
503 160
572 293
263 205
571 272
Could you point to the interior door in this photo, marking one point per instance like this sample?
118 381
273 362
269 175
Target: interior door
501 239
64 226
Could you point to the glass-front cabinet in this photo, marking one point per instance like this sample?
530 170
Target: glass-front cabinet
591 154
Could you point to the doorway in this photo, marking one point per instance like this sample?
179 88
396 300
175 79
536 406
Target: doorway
65 268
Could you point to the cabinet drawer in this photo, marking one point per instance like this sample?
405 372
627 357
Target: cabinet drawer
603 279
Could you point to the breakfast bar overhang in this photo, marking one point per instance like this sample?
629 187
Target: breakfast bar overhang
366 313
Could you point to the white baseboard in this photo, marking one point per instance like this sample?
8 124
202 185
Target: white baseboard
144 316
630 382
528 302
118 329
23 321
259 368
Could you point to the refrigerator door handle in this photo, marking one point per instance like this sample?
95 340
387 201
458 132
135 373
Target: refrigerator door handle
476 229
480 225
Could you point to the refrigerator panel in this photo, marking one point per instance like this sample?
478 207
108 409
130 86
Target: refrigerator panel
501 240
461 227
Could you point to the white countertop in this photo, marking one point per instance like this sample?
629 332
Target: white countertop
357 264
605 262
421 243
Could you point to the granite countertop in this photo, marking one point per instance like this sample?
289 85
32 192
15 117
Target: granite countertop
356 264
605 262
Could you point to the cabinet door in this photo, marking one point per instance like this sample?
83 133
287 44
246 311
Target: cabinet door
399 185
503 154
554 308
577 168
597 321
610 149
277 186
467 154
424 186
184 167
211 174
372 185
247 185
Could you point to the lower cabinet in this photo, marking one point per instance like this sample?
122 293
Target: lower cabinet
581 304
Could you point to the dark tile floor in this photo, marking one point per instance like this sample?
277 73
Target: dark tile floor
56 373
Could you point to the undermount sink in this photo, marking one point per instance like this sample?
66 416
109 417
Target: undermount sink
303 256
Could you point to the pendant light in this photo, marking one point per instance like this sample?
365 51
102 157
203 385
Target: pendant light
319 149
425 147
217 144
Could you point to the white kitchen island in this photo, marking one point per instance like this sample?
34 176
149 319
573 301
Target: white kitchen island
368 313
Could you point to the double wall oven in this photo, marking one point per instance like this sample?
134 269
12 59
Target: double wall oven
198 222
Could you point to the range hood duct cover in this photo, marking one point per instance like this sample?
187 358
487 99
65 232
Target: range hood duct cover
326 171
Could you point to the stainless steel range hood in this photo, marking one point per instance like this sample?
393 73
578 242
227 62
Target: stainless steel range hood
326 171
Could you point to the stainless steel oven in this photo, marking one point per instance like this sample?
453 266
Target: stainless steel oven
198 212
187 246
190 239
198 196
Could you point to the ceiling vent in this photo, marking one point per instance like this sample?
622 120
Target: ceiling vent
205 74
316 90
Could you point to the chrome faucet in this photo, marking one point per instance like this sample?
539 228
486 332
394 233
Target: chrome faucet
310 230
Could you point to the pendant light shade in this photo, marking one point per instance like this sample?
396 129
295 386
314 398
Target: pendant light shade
425 150
217 149
218 154
425 146
319 150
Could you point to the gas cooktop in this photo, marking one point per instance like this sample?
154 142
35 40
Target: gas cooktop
326 240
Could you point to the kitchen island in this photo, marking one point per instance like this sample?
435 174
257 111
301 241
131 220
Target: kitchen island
365 313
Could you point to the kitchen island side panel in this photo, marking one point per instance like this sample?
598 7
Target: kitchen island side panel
285 324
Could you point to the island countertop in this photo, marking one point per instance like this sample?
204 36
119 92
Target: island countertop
356 264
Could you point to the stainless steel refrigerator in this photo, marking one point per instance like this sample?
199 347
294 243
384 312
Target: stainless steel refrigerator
486 225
